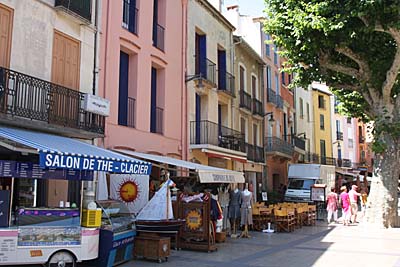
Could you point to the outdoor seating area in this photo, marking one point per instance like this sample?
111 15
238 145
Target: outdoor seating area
285 216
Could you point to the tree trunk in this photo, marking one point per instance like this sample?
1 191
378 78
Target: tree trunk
382 200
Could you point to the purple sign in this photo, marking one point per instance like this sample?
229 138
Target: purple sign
32 170
59 213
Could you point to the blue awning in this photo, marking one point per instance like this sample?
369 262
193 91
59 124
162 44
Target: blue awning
66 153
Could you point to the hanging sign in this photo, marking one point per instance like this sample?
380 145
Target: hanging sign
74 162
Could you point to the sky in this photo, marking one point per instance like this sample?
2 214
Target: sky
247 7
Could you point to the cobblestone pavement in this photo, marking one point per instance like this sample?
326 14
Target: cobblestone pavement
320 245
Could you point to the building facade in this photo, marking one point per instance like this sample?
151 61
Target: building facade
142 76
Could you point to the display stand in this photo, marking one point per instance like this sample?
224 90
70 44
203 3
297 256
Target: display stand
198 231
319 197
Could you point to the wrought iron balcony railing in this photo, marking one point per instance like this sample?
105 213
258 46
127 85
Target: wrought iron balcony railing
250 151
258 107
259 156
279 102
82 8
275 144
311 158
206 68
299 143
226 82
31 98
131 112
207 132
159 120
245 100
339 136
130 17
158 36
271 96
328 161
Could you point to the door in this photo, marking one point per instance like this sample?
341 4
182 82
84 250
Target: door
6 25
64 104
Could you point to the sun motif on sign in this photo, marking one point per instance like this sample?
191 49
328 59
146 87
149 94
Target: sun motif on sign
193 220
128 191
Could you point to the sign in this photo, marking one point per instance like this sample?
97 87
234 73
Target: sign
49 236
32 170
96 105
318 193
4 207
74 162
193 219
264 196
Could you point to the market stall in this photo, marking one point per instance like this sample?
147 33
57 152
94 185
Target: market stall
44 217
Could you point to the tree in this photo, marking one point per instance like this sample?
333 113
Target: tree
353 46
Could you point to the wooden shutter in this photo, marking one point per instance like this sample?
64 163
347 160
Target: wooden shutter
66 61
6 23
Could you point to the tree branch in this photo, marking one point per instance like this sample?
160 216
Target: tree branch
324 62
354 88
391 74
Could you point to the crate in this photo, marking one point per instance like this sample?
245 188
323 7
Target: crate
152 247
220 237
91 218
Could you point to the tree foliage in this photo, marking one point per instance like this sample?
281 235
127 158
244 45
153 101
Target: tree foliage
351 45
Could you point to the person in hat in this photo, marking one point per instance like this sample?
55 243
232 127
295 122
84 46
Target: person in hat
345 200
353 195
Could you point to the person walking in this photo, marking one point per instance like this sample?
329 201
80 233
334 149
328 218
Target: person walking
364 196
332 205
345 200
353 195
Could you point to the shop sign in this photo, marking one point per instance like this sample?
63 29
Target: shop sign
49 236
57 161
96 105
193 219
32 170
223 178
123 242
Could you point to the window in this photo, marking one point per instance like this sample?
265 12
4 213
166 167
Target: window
242 78
156 110
126 104
275 55
308 112
321 122
222 77
201 54
158 30
254 86
351 143
301 108
322 148
348 120
255 134
267 46
129 16
269 81
300 184
321 102
6 25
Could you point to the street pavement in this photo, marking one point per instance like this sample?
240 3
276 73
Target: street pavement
321 245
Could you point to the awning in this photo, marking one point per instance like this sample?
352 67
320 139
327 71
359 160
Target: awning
207 174
66 153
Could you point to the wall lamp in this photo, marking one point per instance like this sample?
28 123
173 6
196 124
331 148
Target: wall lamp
303 134
195 77
271 119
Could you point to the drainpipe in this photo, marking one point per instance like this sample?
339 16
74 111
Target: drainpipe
184 93
96 31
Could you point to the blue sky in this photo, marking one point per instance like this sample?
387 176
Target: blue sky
247 7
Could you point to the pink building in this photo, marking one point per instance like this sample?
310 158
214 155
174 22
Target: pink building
142 74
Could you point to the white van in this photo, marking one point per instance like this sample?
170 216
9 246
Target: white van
302 176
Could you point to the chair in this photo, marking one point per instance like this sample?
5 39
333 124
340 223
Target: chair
284 220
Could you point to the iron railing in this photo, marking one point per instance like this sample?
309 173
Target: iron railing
328 161
131 112
226 82
206 68
339 136
275 144
258 107
158 36
31 98
311 158
159 120
130 17
207 132
271 96
279 102
250 151
259 153
299 142
245 100
82 8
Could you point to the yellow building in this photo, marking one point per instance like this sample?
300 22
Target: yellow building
322 111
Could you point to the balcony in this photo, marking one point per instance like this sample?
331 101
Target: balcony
254 153
245 100
158 36
38 104
279 102
258 107
275 145
207 132
157 122
130 17
206 68
311 158
299 143
328 161
271 96
78 8
131 112
361 139
226 83
339 136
